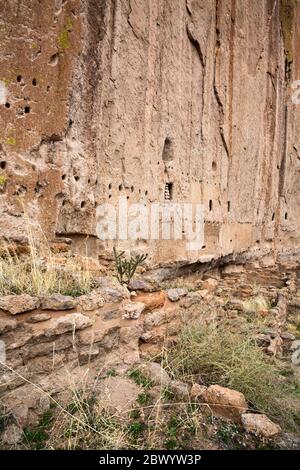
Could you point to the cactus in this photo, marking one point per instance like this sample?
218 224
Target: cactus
125 268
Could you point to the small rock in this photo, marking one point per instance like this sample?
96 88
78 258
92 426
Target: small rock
88 353
144 285
111 290
20 413
262 340
225 402
191 299
58 302
295 345
180 389
259 425
287 336
197 391
37 317
7 324
12 435
117 394
296 357
154 372
132 310
15 304
210 284
152 300
175 294
71 322
91 301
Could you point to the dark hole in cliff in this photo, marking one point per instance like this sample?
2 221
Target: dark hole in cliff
210 205
109 186
273 216
63 177
228 206
120 187
19 78
168 151
132 189
168 193
286 216
214 166
3 165
53 60
27 110
7 105
146 192
76 178
82 205
34 82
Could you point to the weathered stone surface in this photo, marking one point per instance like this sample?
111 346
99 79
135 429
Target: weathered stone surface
12 435
197 391
111 290
132 310
151 300
88 353
91 301
225 402
38 317
58 302
70 322
15 304
259 425
295 345
180 389
175 294
193 298
143 285
154 372
7 324
117 394
210 284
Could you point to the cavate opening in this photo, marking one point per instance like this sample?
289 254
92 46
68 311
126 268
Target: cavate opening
210 205
27 110
7 105
34 82
168 151
286 216
3 165
228 206
19 78
214 165
168 192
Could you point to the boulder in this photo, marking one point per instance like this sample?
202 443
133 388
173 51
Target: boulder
15 304
225 402
132 310
58 302
191 299
71 322
154 372
175 294
259 425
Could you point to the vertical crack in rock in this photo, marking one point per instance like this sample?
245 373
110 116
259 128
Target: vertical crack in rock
190 28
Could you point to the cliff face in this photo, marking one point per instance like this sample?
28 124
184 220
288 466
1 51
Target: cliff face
123 97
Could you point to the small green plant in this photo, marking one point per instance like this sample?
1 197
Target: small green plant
167 394
3 180
143 399
135 429
227 432
37 436
140 379
125 268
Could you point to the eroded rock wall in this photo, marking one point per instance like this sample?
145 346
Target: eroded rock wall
119 97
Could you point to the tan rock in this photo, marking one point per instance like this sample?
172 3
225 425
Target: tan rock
152 300
175 294
38 317
259 425
7 324
180 389
132 310
117 394
70 322
197 391
225 402
154 372
92 301
58 302
210 284
15 304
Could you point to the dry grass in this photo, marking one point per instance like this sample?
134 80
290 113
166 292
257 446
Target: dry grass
216 355
38 273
